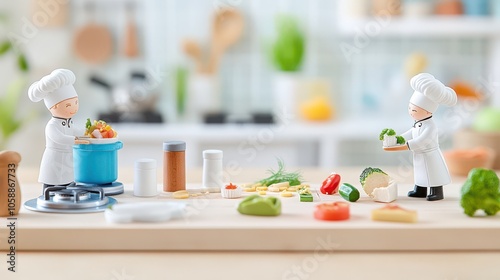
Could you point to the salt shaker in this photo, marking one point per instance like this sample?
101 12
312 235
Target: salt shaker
145 177
212 170
174 166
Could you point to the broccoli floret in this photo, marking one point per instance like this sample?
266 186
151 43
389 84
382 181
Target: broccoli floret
400 140
481 191
386 131
382 133
88 124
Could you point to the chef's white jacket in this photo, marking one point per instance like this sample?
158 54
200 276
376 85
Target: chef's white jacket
429 167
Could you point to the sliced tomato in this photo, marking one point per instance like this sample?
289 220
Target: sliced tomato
334 211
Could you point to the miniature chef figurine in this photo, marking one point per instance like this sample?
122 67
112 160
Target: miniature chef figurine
430 169
59 96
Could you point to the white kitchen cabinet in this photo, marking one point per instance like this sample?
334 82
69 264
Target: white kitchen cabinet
474 40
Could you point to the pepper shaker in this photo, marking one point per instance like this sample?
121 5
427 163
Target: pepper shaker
174 166
212 170
10 191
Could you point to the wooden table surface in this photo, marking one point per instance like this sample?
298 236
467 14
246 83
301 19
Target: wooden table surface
291 246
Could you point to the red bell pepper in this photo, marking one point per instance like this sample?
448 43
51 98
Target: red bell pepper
331 184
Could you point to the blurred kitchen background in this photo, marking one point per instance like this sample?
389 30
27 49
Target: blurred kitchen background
311 82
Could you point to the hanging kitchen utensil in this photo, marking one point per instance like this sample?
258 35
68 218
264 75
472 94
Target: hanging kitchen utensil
227 28
56 12
93 42
193 50
131 44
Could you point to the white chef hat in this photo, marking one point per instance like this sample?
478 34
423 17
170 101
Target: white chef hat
429 93
53 88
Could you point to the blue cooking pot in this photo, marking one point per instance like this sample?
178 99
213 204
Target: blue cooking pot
96 163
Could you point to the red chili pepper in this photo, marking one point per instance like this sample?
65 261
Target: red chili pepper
331 184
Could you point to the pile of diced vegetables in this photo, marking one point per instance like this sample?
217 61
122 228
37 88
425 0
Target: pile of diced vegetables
99 129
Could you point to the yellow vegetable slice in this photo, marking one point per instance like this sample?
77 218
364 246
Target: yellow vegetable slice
286 194
183 194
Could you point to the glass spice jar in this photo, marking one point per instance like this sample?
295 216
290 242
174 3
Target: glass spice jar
174 166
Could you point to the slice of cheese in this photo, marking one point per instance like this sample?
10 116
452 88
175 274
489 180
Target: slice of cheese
394 213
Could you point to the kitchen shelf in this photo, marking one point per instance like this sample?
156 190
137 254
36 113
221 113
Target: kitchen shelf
433 26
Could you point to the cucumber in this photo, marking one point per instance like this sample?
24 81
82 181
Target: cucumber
349 192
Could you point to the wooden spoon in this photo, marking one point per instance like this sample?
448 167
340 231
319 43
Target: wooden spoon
131 48
227 28
193 49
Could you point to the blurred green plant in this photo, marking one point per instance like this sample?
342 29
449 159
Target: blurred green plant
10 97
287 51
181 76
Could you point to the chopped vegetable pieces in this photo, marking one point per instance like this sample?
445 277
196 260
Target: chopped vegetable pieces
260 206
99 129
334 211
349 192
372 178
330 184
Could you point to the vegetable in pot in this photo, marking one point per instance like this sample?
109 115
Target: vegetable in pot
481 191
99 129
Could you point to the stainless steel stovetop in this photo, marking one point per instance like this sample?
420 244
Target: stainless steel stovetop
71 199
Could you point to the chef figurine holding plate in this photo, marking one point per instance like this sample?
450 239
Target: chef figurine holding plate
429 167
60 98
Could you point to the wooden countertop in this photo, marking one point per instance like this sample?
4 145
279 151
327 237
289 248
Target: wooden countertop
213 224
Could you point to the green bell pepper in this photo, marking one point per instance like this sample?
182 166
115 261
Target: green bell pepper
257 205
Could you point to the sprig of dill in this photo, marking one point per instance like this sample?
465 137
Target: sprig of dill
281 175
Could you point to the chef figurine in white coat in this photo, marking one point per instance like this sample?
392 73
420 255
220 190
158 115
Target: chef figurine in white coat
60 97
430 170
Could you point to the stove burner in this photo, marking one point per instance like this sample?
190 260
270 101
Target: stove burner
114 188
71 195
70 199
